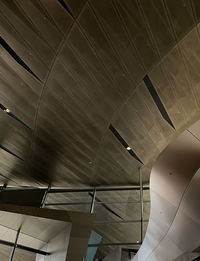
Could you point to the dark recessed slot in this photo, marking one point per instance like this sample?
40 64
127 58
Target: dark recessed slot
16 57
10 152
157 100
17 119
3 108
64 5
124 143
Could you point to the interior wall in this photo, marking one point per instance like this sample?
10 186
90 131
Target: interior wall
125 256
58 246
187 257
175 209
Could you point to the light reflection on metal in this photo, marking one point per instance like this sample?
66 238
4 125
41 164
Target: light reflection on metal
93 202
45 196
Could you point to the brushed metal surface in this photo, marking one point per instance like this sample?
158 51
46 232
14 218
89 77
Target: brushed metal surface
91 64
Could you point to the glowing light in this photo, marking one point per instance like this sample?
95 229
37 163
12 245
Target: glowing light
7 110
128 148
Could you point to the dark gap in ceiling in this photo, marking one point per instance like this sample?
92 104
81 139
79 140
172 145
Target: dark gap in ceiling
64 5
17 119
3 108
157 100
10 152
105 206
123 142
196 259
16 57
7 178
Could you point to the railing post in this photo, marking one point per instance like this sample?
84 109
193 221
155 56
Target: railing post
45 197
141 205
93 202
15 245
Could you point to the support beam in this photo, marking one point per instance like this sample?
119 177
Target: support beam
93 201
115 244
119 222
29 249
61 190
14 245
121 188
68 204
24 197
89 203
45 196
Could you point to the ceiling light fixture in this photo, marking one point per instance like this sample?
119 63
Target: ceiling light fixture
7 110
128 148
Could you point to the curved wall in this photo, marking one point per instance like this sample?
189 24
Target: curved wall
174 225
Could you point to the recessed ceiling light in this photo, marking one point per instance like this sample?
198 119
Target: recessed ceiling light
128 148
137 241
7 110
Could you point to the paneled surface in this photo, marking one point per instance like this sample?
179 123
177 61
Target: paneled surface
20 255
70 68
86 74
173 228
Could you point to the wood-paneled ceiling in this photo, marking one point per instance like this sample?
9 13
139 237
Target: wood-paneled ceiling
70 68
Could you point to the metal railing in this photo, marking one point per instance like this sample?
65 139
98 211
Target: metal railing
93 192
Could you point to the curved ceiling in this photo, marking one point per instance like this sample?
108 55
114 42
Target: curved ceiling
82 80
69 69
